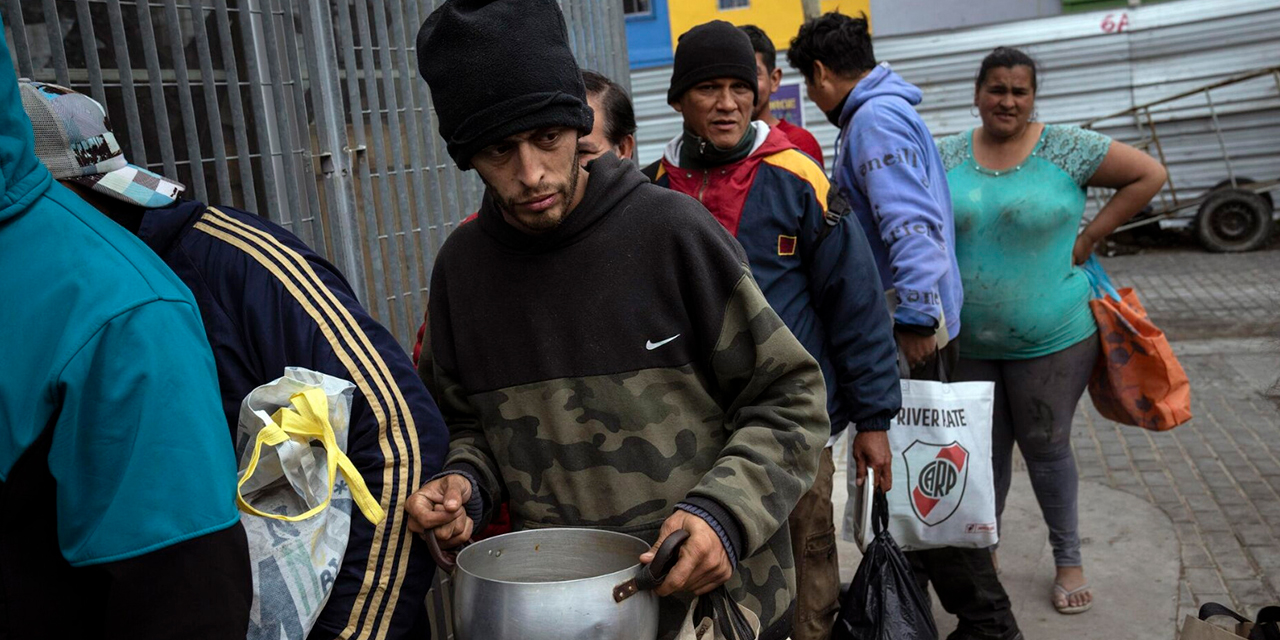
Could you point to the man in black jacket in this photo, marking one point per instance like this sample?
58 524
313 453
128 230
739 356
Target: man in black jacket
267 302
601 354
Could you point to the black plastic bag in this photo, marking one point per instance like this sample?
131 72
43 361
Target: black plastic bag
884 602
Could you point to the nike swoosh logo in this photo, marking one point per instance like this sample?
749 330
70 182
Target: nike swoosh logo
651 345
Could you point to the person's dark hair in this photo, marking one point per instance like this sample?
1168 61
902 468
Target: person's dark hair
841 42
763 45
1005 58
619 116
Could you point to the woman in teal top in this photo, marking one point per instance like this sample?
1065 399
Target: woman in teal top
1018 193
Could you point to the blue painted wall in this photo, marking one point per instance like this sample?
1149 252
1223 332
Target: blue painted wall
649 37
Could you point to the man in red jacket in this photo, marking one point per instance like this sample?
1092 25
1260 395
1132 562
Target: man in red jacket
768 77
813 264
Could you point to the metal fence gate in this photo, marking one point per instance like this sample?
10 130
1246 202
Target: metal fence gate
310 112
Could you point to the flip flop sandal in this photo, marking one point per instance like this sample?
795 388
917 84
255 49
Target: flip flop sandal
1067 609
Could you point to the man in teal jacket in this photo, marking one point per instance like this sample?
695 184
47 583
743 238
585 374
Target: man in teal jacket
117 479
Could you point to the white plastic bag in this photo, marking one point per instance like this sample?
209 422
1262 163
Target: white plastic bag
295 507
943 491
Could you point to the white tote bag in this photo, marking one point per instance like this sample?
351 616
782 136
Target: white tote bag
295 492
943 492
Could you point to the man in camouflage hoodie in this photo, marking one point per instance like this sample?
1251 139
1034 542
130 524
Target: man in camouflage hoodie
599 349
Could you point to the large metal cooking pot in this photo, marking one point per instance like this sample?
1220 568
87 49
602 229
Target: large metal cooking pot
557 584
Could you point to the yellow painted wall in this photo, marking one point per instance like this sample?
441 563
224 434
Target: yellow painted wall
781 19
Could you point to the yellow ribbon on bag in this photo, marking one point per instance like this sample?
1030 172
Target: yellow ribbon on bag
309 420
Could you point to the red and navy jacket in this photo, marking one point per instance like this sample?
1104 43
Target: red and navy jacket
813 264
268 301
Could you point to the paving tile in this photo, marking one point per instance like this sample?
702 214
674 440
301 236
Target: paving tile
1241 514
1229 496
1255 535
1272 577
1195 555
1267 557
1250 590
1210 521
1185 598
1118 461
1234 567
1204 581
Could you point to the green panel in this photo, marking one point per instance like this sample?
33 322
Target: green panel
1079 6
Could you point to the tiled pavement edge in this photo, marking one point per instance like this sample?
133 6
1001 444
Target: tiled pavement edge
1195 295
1217 477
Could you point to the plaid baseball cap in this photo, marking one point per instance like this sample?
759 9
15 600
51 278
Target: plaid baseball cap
74 140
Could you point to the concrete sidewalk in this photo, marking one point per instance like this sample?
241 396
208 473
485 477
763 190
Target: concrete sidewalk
1131 560
1217 478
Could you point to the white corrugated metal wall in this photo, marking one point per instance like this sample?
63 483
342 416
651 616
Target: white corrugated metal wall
1086 72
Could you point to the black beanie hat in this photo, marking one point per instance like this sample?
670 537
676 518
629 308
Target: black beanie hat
497 68
716 49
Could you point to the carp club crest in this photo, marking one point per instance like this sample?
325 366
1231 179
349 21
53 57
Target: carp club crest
937 475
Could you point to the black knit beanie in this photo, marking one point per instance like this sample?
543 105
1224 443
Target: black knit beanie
716 49
497 68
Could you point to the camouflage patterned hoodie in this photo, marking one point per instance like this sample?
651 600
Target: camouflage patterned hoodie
626 362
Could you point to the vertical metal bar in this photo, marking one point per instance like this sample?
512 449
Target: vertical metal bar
189 126
239 124
21 46
326 95
569 10
264 109
281 133
594 37
213 112
316 159
359 157
434 157
454 185
385 208
603 33
1222 143
586 27
84 20
137 149
1146 142
467 189
300 150
608 42
1155 138
159 108
283 117
397 155
53 26
418 170
619 55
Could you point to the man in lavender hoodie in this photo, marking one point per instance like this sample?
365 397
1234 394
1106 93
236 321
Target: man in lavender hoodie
889 171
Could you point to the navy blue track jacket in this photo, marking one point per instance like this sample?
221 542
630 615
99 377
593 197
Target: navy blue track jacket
268 301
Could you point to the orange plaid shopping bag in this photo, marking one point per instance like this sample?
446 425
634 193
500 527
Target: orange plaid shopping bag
1137 380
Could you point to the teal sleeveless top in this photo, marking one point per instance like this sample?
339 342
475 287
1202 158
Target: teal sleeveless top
1015 230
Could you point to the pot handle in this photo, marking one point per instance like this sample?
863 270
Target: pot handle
446 560
666 557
